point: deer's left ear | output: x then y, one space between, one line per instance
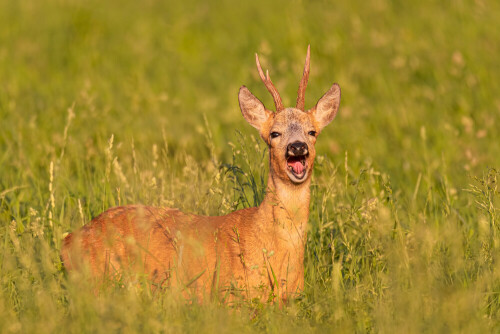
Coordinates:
252 109
326 108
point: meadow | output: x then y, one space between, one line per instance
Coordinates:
104 103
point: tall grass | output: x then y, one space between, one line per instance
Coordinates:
109 103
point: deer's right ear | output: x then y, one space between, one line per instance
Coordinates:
252 109
327 107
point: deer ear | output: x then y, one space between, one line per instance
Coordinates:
326 108
252 109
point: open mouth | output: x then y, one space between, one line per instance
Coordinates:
297 166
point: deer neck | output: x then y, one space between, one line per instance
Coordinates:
286 206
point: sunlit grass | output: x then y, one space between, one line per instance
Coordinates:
109 103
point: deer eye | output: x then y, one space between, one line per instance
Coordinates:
312 133
275 134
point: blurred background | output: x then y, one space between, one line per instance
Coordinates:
142 68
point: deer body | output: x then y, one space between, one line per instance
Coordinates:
254 252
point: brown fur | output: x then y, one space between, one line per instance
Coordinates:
255 252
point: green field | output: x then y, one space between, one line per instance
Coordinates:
117 102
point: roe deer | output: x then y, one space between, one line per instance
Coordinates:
257 252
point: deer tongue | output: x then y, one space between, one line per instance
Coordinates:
296 165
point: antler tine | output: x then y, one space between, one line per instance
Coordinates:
269 85
303 83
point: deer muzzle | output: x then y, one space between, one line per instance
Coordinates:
296 155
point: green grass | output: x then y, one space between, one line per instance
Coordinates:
113 102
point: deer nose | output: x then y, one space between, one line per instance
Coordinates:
297 148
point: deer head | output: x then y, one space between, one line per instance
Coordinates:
290 133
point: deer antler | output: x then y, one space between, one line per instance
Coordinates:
303 83
270 86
